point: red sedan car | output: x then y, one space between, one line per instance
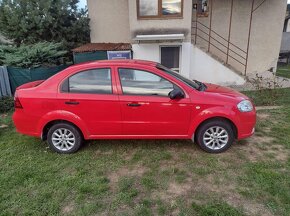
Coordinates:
131 99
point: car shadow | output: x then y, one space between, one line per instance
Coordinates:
133 144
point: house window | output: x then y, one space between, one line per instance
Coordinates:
202 8
159 8
170 57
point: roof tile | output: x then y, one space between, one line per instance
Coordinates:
92 47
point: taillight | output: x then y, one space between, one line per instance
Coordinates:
17 104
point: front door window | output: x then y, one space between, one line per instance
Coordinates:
137 82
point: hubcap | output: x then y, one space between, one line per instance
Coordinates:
63 139
216 138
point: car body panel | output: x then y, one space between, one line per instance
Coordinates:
156 115
93 110
109 116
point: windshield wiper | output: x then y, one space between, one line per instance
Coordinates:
201 86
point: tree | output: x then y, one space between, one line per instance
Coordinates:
32 21
32 56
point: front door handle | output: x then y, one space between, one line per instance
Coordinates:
72 103
134 105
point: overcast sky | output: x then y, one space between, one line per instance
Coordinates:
83 3
288 1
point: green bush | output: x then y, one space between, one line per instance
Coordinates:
32 56
6 104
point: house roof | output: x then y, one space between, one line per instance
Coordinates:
92 47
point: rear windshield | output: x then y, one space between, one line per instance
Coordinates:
178 76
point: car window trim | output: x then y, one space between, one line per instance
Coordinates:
146 95
69 76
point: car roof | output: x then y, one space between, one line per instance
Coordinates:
119 62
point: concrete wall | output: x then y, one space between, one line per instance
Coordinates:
116 21
265 44
207 69
266 32
151 52
109 21
160 26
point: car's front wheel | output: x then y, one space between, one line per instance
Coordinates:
215 136
64 138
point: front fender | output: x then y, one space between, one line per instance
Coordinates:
65 116
213 112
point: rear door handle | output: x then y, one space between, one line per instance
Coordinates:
134 105
72 103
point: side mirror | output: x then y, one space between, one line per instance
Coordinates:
176 94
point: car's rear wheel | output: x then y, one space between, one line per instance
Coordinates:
64 138
215 136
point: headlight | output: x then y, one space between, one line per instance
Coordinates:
245 106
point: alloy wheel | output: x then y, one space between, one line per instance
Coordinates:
63 139
215 138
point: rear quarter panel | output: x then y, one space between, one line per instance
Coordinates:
36 104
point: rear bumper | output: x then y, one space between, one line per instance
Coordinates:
24 124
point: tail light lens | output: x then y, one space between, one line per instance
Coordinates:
17 104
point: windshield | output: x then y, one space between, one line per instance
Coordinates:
193 84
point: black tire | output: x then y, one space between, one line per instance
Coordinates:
218 145
76 137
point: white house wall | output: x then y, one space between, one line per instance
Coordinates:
207 69
116 21
149 52
161 26
195 64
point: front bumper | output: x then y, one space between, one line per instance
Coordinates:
246 135
246 125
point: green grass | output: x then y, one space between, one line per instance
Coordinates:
284 71
269 183
149 177
217 208
277 97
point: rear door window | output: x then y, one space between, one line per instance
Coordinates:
95 81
